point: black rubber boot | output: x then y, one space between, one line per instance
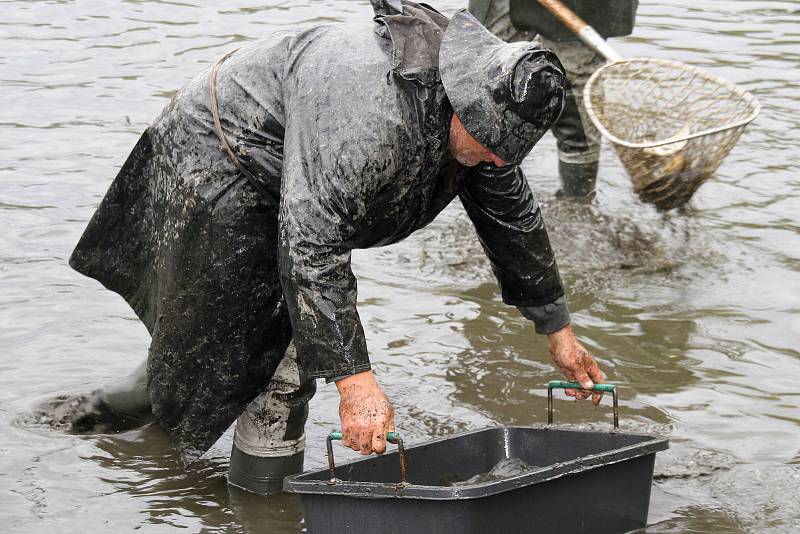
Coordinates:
260 475
577 179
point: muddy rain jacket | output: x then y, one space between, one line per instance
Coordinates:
346 126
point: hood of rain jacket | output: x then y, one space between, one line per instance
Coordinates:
506 95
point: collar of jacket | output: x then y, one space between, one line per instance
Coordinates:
416 32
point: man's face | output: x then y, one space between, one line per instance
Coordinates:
466 149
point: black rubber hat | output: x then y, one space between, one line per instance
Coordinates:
507 95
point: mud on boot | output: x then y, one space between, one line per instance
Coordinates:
120 406
77 414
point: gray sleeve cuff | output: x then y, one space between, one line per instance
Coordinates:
335 379
338 377
548 318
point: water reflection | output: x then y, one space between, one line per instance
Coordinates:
640 347
504 370
142 464
693 314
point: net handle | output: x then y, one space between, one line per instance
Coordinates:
579 27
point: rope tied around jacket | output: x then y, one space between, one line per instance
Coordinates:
224 145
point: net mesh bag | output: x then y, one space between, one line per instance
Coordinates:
670 123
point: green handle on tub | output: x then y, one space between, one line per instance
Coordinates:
391 437
560 384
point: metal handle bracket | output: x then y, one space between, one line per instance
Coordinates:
391 437
560 384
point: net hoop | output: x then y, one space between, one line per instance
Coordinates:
667 63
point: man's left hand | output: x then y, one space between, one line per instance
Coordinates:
576 363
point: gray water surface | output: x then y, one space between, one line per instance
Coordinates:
695 315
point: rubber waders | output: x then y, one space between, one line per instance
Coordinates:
262 475
127 399
577 179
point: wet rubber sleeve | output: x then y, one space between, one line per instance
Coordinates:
318 217
511 228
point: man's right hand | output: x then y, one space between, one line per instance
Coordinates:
365 412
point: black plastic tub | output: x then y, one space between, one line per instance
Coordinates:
577 481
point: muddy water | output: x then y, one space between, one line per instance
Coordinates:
694 315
